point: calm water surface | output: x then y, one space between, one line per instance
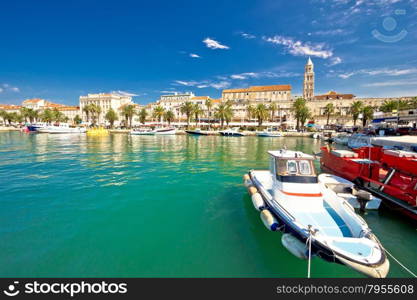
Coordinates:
151 206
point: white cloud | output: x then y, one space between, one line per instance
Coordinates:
193 55
247 75
213 44
9 88
186 83
331 32
299 48
122 93
242 76
247 35
375 72
220 85
335 61
392 83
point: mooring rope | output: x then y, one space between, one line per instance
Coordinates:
309 251
403 266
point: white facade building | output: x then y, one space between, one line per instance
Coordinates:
105 101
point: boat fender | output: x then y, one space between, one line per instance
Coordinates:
258 202
252 190
269 220
294 246
247 181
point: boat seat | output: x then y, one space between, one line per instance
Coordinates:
344 153
400 153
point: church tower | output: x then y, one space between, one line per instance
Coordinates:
308 85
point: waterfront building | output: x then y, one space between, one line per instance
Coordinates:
254 95
105 101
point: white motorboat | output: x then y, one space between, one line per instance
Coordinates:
292 200
231 132
165 131
341 139
269 133
141 132
358 140
61 128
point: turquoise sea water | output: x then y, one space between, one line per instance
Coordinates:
151 206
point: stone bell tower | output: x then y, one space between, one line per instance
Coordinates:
308 84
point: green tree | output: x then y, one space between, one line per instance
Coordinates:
3 115
261 113
187 108
158 113
224 113
169 117
304 115
355 110
95 111
272 108
209 105
142 115
77 119
128 111
111 116
391 105
328 111
299 109
367 114
197 112
47 116
57 116
86 110
250 110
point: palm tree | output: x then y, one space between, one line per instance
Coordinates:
261 113
299 108
158 113
47 116
77 119
355 110
24 111
142 115
197 111
169 117
95 111
328 110
209 105
86 110
367 114
187 108
304 115
3 115
224 113
111 116
272 108
250 111
57 116
391 105
128 111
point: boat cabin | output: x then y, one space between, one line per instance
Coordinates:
292 166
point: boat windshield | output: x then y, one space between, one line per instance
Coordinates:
295 170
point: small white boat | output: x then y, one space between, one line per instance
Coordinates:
61 128
231 132
358 140
141 132
269 133
341 139
359 199
315 135
292 200
165 131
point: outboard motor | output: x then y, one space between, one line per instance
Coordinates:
363 198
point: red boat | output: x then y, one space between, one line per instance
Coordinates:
388 174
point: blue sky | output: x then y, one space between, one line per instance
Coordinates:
59 50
